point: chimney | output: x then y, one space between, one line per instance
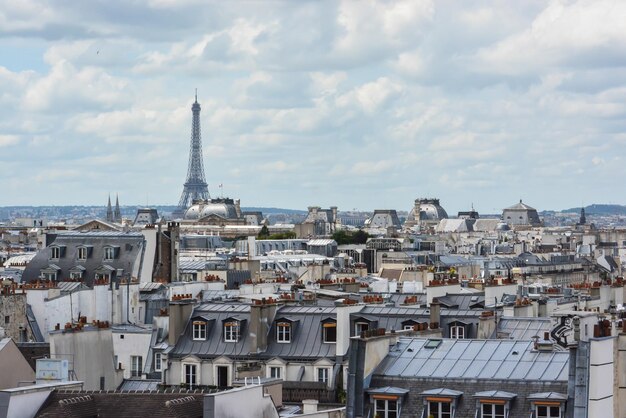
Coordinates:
261 318
179 313
174 235
309 406
546 344
435 313
487 326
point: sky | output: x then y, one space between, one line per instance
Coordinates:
356 104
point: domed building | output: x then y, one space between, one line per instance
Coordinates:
425 213
221 211
521 214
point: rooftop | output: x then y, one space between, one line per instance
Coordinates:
473 359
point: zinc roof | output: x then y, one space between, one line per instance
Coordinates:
474 359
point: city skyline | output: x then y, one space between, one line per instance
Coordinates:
343 104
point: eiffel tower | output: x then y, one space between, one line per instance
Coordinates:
195 186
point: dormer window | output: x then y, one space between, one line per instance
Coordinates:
51 272
82 253
231 331
283 332
457 332
494 403
56 252
199 330
329 331
360 327
109 253
76 273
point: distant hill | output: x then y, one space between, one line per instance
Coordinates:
600 209
267 211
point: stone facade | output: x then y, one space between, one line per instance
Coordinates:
13 317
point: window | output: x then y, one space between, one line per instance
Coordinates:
385 408
457 331
283 332
408 327
135 366
7 319
49 275
82 253
275 372
231 332
548 411
190 375
322 374
55 253
330 332
109 253
157 362
199 330
359 327
439 409
489 410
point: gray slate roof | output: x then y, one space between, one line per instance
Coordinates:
129 247
473 359
306 341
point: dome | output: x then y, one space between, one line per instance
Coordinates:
503 226
193 213
223 209
430 210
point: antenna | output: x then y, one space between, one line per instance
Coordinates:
196 95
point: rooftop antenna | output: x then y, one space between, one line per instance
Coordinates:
196 95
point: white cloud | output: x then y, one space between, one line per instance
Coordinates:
7 140
558 36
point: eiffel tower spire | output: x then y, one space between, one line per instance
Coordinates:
195 186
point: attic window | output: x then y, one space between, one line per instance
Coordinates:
329 332
432 344
109 253
55 253
283 332
231 332
82 253
199 330
360 327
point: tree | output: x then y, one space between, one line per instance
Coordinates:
264 233
344 237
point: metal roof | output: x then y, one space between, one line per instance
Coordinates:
548 395
150 286
523 328
443 391
495 394
388 390
133 385
321 242
474 359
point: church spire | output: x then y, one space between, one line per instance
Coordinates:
109 217
583 218
117 215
